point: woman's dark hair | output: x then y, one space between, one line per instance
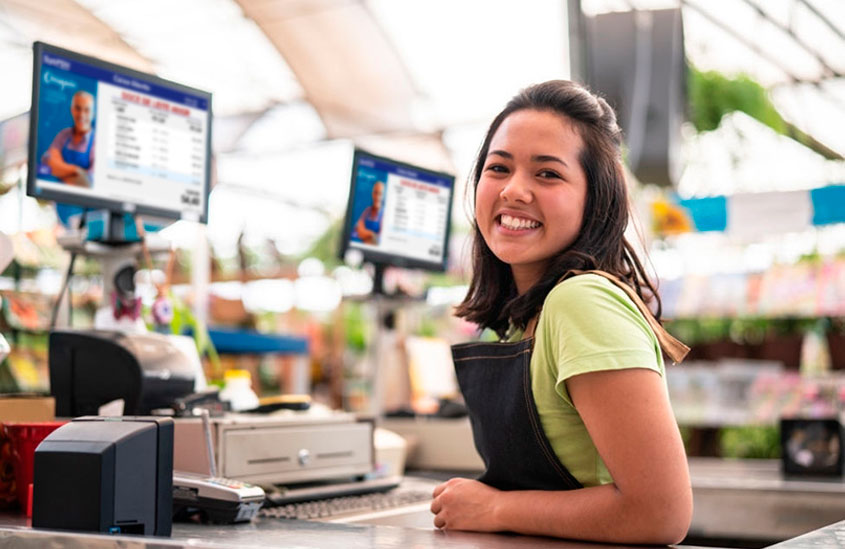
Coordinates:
492 300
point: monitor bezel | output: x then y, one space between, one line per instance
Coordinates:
93 202
383 258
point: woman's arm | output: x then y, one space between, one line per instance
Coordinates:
628 416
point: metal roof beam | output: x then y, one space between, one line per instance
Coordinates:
823 18
830 71
792 130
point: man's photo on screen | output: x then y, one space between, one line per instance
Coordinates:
66 128
368 224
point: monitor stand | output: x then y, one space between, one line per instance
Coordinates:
385 305
378 280
119 259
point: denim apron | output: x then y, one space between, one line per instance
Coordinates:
78 158
495 379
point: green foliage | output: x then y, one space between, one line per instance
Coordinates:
693 331
327 246
355 326
713 95
184 320
427 327
750 442
749 330
745 330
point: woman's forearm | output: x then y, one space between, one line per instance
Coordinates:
600 513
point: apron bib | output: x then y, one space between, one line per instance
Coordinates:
495 380
78 158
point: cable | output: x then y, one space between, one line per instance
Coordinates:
66 284
55 314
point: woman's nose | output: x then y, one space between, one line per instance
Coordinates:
516 189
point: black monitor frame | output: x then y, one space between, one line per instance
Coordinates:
94 202
381 259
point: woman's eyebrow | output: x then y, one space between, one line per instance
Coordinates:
535 158
548 158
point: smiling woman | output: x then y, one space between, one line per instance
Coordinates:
570 411
530 196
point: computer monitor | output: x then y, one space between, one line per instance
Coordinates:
104 136
398 214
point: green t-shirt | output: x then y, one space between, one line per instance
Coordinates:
587 324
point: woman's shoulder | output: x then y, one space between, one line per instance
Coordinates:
589 298
588 287
589 314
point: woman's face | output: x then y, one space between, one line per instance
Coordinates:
529 202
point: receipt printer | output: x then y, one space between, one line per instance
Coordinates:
89 368
106 474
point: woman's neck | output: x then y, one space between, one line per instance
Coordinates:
525 276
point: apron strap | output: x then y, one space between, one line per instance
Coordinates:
674 348
530 327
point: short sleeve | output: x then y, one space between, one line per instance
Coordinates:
590 325
58 142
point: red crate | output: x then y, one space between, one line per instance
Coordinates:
25 439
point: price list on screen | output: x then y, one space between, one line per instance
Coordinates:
415 218
154 145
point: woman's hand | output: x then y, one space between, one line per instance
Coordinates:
464 504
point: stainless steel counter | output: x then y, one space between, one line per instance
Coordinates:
829 537
740 500
276 533
749 499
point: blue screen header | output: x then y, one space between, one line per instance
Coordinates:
122 80
406 172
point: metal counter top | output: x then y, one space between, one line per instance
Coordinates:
750 499
277 533
829 537
745 499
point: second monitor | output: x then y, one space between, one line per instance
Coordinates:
105 136
398 214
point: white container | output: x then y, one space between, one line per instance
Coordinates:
238 390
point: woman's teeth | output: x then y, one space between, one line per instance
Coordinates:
517 223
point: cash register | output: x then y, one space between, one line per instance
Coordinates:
90 368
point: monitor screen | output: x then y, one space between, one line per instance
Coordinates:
104 136
398 214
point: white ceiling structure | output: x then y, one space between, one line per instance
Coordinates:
297 83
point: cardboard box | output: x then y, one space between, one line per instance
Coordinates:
27 408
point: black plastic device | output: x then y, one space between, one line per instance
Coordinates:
106 474
89 368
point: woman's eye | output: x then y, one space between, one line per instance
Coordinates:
496 168
549 174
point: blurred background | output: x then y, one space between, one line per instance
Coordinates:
732 110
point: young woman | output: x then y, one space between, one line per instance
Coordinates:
570 412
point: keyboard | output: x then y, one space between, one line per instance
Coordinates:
350 506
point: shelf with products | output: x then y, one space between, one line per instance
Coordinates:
764 345
804 289
733 407
736 392
762 338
